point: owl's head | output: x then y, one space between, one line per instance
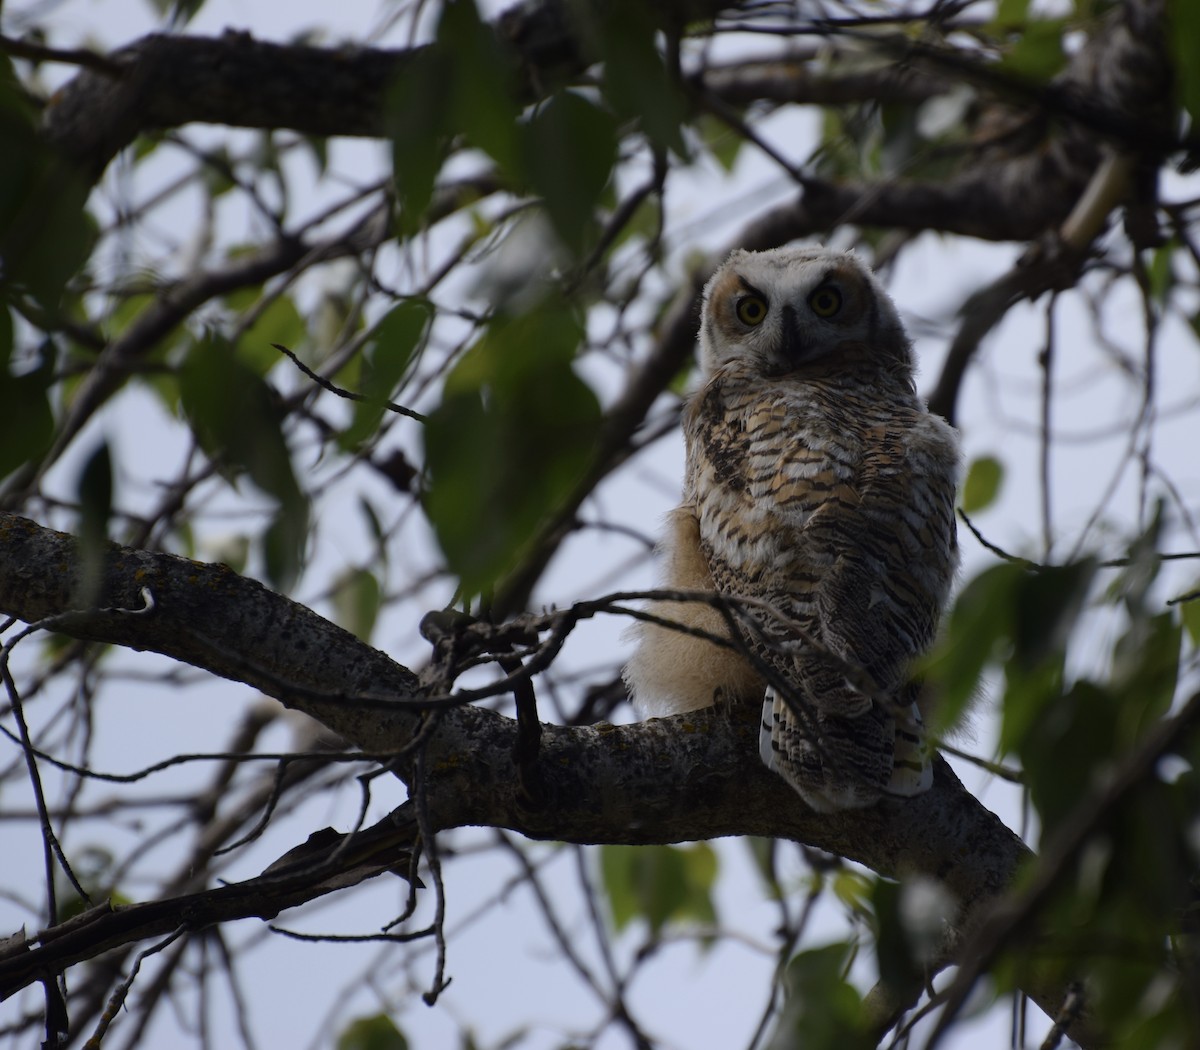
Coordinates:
786 309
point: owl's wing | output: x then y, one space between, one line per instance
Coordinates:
871 572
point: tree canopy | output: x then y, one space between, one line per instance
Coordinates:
344 374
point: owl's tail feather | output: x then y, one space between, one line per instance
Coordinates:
787 750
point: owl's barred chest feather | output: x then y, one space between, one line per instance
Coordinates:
768 461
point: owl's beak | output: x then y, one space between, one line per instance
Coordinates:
793 345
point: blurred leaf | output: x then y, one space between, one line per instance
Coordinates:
236 418
1145 672
235 415
1011 12
419 124
45 231
1046 606
900 142
897 966
822 1010
1183 38
94 493
982 484
372 1033
280 322
1189 612
572 146
721 140
1080 723
26 421
512 437
762 852
217 172
1161 275
659 884
386 356
1037 53
373 525
976 633
636 81
482 86
356 599
318 149
283 545
6 336
127 310
853 889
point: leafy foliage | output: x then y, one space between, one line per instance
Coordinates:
512 401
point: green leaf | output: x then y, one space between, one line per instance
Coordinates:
1189 612
762 853
572 147
26 421
388 352
511 439
482 87
419 124
721 140
45 232
982 485
897 966
976 634
1145 672
94 492
822 1011
1038 51
217 172
659 884
236 418
636 81
853 889
1046 606
356 599
372 1033
1161 273
1011 12
6 336
1183 37
280 322
1080 723
283 543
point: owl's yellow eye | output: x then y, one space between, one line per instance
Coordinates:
751 310
825 301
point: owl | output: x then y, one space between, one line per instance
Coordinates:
818 504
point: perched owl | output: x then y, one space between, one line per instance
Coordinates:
819 499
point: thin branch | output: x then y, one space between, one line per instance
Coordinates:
35 52
349 395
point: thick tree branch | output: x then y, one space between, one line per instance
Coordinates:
237 81
690 777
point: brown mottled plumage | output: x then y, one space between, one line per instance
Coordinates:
819 493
